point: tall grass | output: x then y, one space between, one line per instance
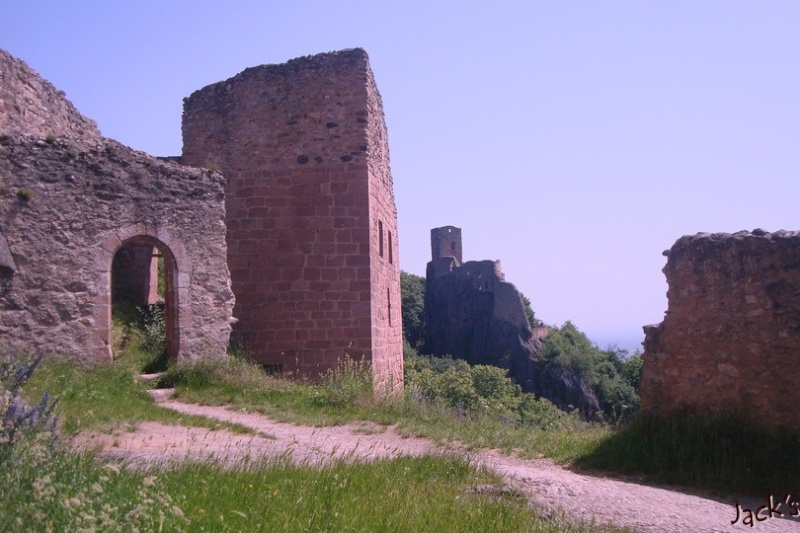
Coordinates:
66 491
105 397
724 453
45 486
406 494
55 489
446 409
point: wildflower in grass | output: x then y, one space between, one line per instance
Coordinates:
46 487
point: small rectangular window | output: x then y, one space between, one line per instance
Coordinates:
380 238
391 255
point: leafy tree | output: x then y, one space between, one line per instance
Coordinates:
412 288
613 375
568 347
631 369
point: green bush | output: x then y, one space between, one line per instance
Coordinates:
140 331
197 376
479 391
526 305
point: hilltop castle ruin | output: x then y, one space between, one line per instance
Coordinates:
473 313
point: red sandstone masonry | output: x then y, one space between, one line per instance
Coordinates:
310 211
731 337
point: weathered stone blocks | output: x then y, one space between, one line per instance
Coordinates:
70 200
65 237
311 218
730 340
31 105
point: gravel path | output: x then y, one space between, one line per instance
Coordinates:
587 497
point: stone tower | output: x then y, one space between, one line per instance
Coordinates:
311 216
446 242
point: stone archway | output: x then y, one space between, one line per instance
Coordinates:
133 241
135 279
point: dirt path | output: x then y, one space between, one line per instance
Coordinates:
590 498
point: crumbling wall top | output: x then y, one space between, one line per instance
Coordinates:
308 112
45 112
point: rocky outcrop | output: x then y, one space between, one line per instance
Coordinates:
730 340
69 201
472 313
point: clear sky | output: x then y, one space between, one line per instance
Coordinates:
572 140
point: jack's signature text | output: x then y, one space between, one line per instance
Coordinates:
787 506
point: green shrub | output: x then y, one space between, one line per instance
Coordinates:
197 376
479 391
154 328
25 194
526 305
140 332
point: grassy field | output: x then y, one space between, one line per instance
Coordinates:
63 491
45 486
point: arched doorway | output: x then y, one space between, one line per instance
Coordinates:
143 280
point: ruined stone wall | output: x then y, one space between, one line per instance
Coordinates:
66 208
69 201
386 312
730 340
29 104
134 274
312 231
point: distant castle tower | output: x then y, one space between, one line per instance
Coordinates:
446 242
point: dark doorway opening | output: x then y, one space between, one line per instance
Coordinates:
144 303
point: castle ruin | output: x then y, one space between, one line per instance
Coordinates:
730 339
72 204
473 313
304 219
311 217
